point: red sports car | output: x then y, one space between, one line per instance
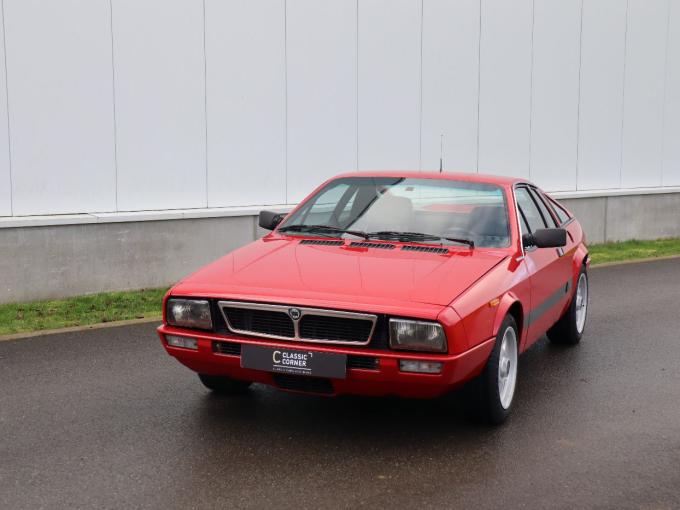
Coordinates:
388 283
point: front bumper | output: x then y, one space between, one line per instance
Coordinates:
386 379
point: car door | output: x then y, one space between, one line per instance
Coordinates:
546 267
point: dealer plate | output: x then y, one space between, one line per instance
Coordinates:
293 361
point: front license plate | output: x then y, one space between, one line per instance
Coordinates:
293 361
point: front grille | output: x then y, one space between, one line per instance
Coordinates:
228 348
263 322
310 324
302 383
382 246
362 362
427 249
322 242
337 329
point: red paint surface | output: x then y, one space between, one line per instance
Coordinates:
455 289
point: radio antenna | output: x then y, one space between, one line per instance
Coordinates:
441 153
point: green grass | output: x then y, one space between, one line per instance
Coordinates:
117 306
80 311
632 250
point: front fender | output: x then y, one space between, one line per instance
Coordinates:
506 302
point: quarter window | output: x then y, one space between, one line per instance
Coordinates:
559 211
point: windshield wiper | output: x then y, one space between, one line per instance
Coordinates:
322 228
418 236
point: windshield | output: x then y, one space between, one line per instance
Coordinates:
406 208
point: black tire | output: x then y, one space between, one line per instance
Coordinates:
565 331
224 385
489 400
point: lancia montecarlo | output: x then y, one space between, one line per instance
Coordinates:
388 283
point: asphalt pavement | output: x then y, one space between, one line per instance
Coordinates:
105 419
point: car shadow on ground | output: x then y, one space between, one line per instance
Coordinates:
367 422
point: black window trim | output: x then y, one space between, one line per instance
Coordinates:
517 214
535 196
552 203
528 188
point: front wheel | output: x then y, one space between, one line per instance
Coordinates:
498 381
224 385
569 329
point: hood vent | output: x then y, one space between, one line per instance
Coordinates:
322 242
382 246
426 249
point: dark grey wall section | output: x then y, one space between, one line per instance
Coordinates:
643 217
619 218
66 260
591 214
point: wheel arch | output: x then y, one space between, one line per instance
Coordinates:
509 304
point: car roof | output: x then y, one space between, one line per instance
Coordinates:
445 175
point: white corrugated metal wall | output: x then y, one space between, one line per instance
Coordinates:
119 105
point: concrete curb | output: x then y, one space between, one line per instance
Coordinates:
634 261
130 322
76 329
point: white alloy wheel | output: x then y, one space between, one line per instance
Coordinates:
581 302
507 367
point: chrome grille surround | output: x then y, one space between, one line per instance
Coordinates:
304 311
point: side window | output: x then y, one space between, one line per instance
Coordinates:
320 211
528 209
559 211
544 209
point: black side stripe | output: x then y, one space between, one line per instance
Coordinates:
546 305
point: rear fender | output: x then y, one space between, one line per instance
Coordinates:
580 257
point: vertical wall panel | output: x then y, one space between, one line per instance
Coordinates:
601 106
671 146
450 83
246 98
5 179
555 82
60 86
505 87
389 84
321 54
644 93
160 103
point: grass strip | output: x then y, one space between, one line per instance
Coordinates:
80 310
633 250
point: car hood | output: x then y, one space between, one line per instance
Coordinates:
284 270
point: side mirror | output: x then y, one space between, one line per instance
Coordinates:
546 238
270 220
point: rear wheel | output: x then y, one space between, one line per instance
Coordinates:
569 329
498 381
224 385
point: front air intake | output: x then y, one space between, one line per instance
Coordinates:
362 362
227 348
426 249
322 242
382 246
305 384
